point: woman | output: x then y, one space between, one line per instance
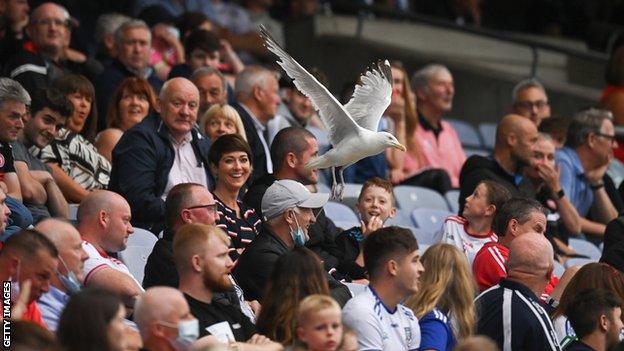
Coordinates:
230 162
220 120
444 304
296 275
76 165
93 320
590 276
133 100
81 93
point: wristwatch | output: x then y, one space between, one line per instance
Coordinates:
560 194
598 186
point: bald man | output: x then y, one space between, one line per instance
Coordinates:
164 150
69 275
515 137
510 313
104 225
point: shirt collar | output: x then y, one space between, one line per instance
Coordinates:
576 161
427 126
58 294
524 290
255 120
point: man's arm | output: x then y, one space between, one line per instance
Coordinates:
115 281
72 191
602 209
591 227
32 190
13 185
57 205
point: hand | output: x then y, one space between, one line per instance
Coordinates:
74 55
162 31
550 176
396 175
595 176
225 47
255 306
259 339
374 223
18 24
21 304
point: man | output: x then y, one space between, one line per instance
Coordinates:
160 152
377 316
104 225
256 92
583 163
513 151
511 313
291 149
29 258
13 109
287 208
14 19
439 143
596 317
133 41
104 36
529 99
201 49
212 88
41 60
40 193
515 218
68 278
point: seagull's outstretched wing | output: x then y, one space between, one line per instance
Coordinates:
335 117
372 97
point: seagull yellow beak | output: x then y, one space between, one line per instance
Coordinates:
400 147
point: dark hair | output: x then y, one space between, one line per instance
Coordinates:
385 244
585 122
132 85
519 209
75 83
226 144
296 274
202 40
587 307
291 139
497 194
52 99
178 198
84 322
28 242
27 335
190 21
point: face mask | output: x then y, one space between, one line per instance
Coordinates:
298 235
188 332
70 281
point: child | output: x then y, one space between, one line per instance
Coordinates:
349 340
319 324
375 205
473 229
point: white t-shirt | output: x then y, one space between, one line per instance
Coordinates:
99 260
455 232
377 328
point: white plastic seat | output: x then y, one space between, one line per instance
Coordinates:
586 248
140 246
429 220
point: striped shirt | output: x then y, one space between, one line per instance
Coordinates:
512 316
240 230
436 331
78 158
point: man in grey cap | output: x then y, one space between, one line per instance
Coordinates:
287 209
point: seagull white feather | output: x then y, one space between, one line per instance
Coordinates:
352 127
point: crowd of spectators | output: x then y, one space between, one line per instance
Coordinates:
172 131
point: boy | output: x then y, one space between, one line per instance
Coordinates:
375 205
473 229
319 323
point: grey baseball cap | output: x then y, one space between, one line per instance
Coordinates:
284 194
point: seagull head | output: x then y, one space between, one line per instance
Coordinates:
390 140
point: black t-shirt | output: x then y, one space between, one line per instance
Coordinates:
6 159
220 311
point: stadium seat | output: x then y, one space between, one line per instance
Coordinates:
73 211
467 133
481 152
559 269
344 225
488 135
340 213
411 197
140 245
351 194
322 138
355 288
429 220
578 262
402 219
424 236
452 197
586 248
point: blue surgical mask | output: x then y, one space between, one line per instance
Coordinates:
298 235
69 281
188 332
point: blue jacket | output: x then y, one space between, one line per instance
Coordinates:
142 160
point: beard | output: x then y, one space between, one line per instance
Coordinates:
222 283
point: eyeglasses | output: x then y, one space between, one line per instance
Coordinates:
49 21
609 137
212 208
528 105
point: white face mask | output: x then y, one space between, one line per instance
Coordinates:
188 332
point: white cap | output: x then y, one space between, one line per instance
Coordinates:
284 194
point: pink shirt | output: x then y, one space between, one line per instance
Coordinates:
443 152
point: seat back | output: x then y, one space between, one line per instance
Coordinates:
467 133
338 212
412 197
139 247
586 248
429 221
488 134
452 198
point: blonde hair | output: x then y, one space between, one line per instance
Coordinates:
447 284
314 304
191 239
226 111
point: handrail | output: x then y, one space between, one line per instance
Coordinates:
363 11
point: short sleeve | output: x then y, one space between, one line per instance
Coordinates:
368 332
566 176
433 334
93 264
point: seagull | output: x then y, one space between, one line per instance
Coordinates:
352 127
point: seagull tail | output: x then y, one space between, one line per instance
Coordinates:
320 162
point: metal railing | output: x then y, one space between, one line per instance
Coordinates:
364 13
